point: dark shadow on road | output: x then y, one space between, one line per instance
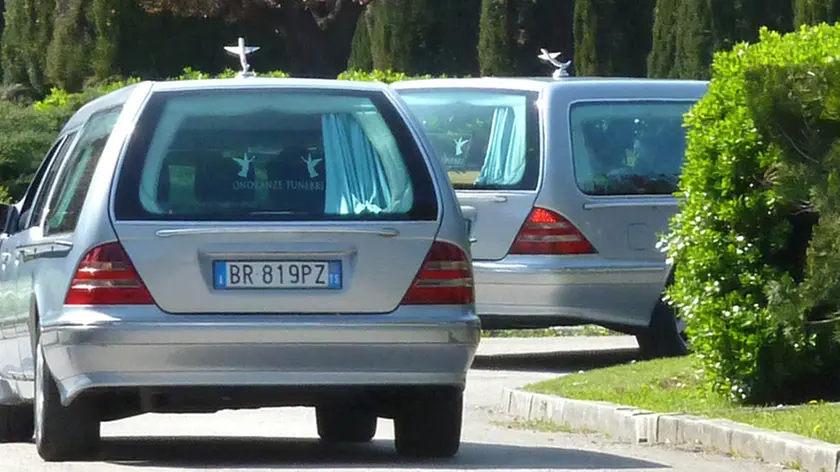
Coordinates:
556 361
263 453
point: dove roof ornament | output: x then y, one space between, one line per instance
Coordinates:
242 52
551 58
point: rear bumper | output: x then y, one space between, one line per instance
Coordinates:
88 349
572 290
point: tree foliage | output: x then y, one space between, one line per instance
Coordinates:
686 34
612 37
496 43
663 51
317 34
405 37
361 53
26 36
810 12
71 49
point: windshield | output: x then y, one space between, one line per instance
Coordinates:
273 154
488 139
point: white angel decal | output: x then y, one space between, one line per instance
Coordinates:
459 145
310 165
244 164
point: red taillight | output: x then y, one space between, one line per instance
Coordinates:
444 279
106 276
546 232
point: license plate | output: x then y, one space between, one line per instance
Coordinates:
277 274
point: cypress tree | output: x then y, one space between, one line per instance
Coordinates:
497 52
2 24
361 57
588 61
106 18
11 55
706 26
393 35
71 49
696 40
810 12
664 47
404 36
612 37
27 32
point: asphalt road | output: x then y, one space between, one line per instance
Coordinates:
285 439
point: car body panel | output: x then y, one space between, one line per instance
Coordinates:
224 340
620 283
143 346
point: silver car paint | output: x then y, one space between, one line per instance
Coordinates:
620 285
146 346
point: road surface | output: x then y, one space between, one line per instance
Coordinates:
284 439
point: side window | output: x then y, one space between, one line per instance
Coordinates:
14 225
488 140
628 148
41 186
65 203
32 189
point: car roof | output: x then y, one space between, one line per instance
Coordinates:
123 94
331 84
537 84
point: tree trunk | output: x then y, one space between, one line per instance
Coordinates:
313 50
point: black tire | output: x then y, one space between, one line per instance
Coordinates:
62 433
17 423
662 338
337 424
428 425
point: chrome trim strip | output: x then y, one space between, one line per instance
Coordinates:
167 233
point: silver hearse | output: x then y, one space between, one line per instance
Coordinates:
565 183
220 244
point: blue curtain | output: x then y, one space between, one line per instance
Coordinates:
356 181
504 163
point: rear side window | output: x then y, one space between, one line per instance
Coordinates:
628 148
71 188
488 139
52 166
269 154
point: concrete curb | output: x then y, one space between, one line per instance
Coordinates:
641 426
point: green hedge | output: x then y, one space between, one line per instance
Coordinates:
25 136
760 296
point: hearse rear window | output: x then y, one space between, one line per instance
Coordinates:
488 139
270 154
628 148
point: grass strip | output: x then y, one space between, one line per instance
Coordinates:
678 386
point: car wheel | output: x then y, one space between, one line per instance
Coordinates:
664 337
428 425
17 423
337 424
61 432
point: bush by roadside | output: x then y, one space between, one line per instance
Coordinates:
25 135
758 292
